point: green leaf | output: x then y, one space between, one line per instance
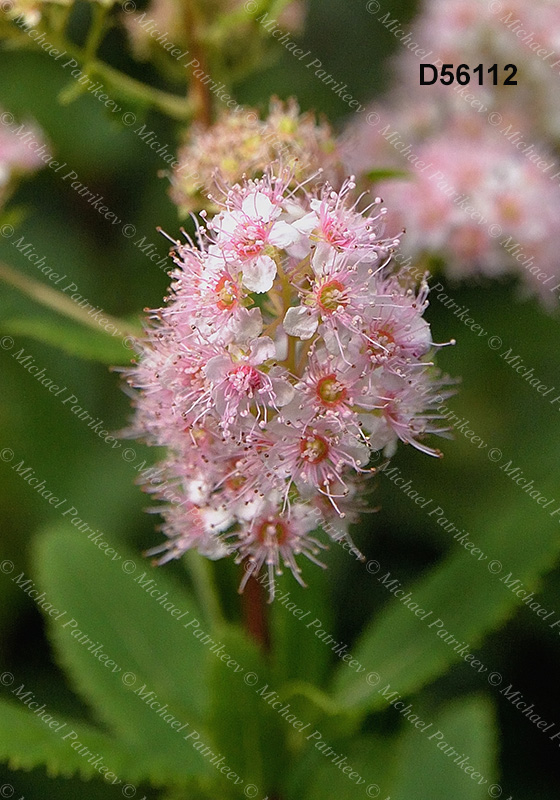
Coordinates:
406 767
386 174
106 611
298 614
467 598
27 741
432 764
72 339
369 761
246 729
12 215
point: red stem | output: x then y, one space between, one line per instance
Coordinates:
199 91
255 612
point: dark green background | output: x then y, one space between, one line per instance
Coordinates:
112 273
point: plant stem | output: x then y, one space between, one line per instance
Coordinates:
199 92
56 301
303 355
173 105
255 613
290 360
202 576
59 16
94 36
95 33
315 695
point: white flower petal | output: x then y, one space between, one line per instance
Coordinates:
283 391
262 349
359 452
217 368
301 322
246 325
283 235
307 224
226 222
323 259
258 206
259 274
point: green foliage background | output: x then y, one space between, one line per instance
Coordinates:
502 408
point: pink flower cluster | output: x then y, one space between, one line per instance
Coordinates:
288 356
239 144
482 208
499 32
480 189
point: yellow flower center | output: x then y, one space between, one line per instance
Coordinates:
314 449
331 296
330 391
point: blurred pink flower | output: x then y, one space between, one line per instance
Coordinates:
19 146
